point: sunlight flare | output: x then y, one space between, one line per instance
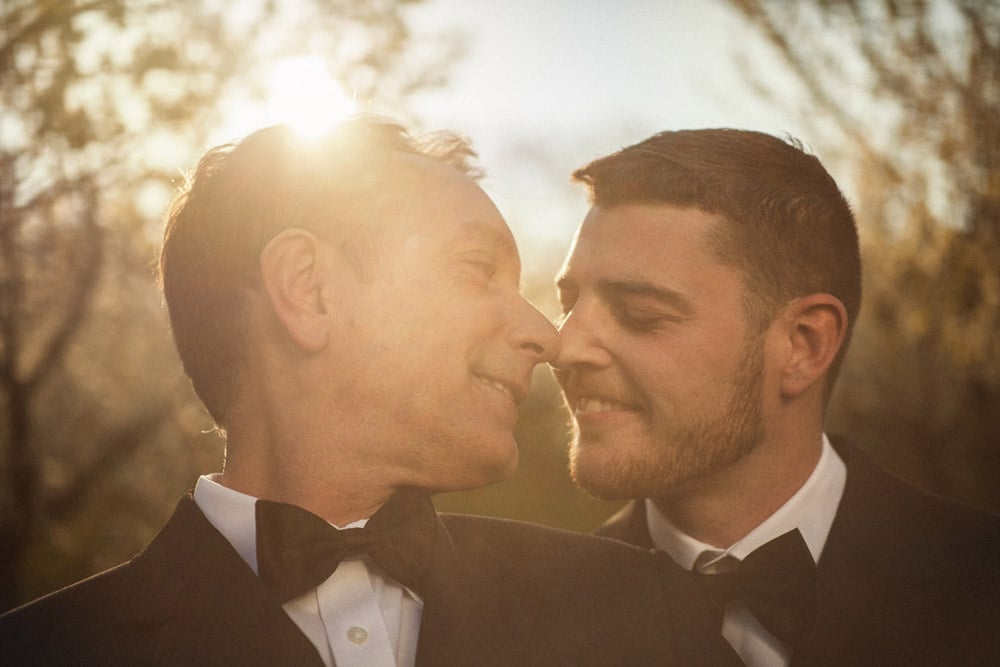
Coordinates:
304 95
298 91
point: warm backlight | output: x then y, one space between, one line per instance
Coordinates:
304 95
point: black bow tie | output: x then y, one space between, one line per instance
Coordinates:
777 582
297 550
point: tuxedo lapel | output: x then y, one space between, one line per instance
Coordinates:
904 577
855 600
211 607
901 572
691 619
466 616
207 605
689 616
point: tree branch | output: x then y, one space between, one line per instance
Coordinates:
78 304
122 444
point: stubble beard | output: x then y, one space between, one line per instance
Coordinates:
705 445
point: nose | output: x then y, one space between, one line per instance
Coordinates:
579 342
534 335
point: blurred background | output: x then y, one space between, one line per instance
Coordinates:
105 104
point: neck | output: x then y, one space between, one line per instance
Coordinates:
287 442
726 506
340 500
314 467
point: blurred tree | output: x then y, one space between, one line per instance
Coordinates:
101 103
905 95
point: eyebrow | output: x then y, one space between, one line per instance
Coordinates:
500 243
616 289
479 230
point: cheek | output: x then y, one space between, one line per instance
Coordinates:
676 377
651 369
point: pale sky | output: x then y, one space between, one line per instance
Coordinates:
547 86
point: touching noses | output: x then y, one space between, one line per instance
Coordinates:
577 343
534 335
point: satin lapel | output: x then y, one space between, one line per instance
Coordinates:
467 616
696 632
209 605
848 598
886 588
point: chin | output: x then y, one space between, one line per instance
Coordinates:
480 471
614 473
603 487
503 466
600 478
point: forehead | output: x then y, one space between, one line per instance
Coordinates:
659 242
440 202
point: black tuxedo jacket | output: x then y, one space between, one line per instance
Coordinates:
496 593
905 578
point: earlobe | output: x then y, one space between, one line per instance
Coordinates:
294 272
817 328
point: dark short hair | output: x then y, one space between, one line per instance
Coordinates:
790 231
243 194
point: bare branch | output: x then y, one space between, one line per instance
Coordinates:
72 319
119 447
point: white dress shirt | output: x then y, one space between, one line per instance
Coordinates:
358 617
811 510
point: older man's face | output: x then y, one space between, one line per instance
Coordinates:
441 345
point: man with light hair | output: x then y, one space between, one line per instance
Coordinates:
348 311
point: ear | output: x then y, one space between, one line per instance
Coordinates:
817 325
294 269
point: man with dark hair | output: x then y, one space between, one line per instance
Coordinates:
708 301
348 311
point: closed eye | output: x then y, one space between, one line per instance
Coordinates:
482 263
638 319
487 268
642 306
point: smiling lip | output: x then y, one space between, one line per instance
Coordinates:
588 405
514 392
599 409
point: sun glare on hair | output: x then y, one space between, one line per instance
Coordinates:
303 94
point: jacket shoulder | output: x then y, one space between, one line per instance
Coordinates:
594 600
903 514
54 628
541 547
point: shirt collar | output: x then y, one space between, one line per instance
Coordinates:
231 513
811 509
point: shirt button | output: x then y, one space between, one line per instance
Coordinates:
357 635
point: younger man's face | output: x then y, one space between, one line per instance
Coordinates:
656 364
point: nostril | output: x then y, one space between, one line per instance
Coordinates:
533 347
